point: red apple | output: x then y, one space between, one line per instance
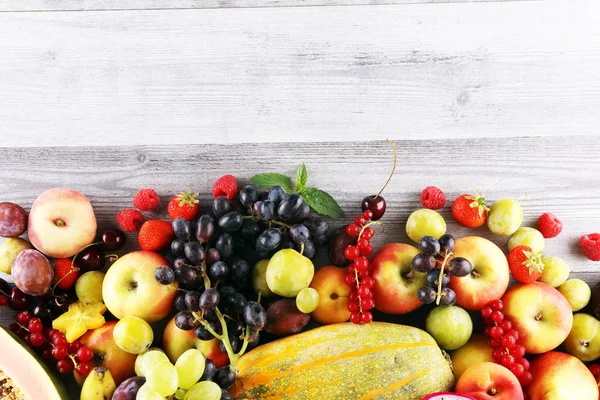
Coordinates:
396 284
333 295
540 314
108 354
489 381
490 275
129 287
176 341
61 222
558 376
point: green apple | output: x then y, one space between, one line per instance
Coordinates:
577 293
527 237
89 287
450 326
289 272
583 341
556 271
425 222
259 278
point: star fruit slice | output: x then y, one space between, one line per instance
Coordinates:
79 319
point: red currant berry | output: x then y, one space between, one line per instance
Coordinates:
488 321
517 369
364 291
355 318
497 317
3 300
350 280
366 317
65 366
352 230
351 253
59 339
495 343
74 346
51 332
595 369
353 297
27 338
363 274
486 312
367 233
85 354
514 334
497 305
37 339
367 214
507 360
368 303
497 355
35 325
84 368
506 325
524 362
368 282
360 221
362 264
496 332
486 330
517 351
367 251
59 352
526 378
47 354
508 341
352 307
23 318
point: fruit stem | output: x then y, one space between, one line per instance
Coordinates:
360 310
369 224
301 248
225 339
440 279
245 344
393 169
112 257
207 326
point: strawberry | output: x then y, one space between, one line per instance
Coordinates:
129 220
184 205
146 199
65 273
433 198
590 246
155 235
225 186
470 211
549 225
525 266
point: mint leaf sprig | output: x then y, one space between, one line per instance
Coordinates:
318 200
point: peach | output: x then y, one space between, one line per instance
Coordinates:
558 376
396 284
540 314
176 341
61 223
129 287
108 354
489 381
475 351
333 295
490 276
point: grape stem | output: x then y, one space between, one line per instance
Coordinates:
440 279
245 344
393 169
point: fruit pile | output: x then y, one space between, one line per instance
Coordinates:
193 312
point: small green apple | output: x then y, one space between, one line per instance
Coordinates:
577 293
583 341
450 326
556 271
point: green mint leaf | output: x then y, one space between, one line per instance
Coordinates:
301 178
273 179
322 202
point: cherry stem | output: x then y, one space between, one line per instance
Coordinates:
393 169
440 279
58 281
112 257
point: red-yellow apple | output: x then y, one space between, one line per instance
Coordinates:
176 341
129 287
475 351
560 376
61 222
490 275
108 354
540 314
333 295
489 381
396 284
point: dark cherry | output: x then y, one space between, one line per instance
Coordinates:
61 304
113 239
376 205
45 313
19 301
90 259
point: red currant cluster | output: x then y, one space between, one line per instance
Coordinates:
503 341
53 345
361 297
595 370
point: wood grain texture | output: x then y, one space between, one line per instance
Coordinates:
557 174
299 74
104 5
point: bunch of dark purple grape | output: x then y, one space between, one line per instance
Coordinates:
438 262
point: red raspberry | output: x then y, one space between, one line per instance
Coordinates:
225 186
129 220
549 225
146 199
433 198
590 245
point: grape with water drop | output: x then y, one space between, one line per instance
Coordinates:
267 211
426 294
447 243
231 222
276 194
218 271
460 266
195 252
423 263
221 206
205 228
209 299
248 195
268 240
185 320
429 245
290 206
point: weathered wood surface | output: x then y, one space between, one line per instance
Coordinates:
492 69
557 174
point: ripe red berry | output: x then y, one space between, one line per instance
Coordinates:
47 354
495 343
23 318
84 368
549 225
351 252
497 355
35 325
517 351
129 220
146 199
507 360
352 307
37 339
368 282
59 352
360 221
74 346
497 316
65 365
350 280
367 214
59 339
590 246
513 333
524 362
355 318
352 230
486 312
497 305
526 378
366 317
353 297
496 332
432 198
362 264
225 186
367 233
508 341
3 300
506 325
363 274
486 330
517 369
84 354
364 291
368 303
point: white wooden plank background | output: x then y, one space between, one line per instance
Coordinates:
493 69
